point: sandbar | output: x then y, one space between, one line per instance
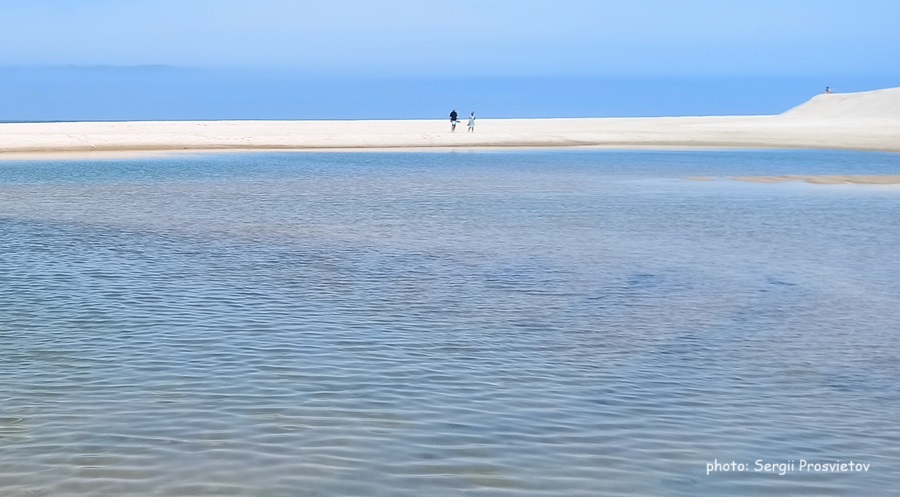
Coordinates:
827 179
852 121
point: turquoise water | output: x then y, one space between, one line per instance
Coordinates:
485 324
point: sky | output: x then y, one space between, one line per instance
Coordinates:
284 42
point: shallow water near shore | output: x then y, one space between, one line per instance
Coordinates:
574 323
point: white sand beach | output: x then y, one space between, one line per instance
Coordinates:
852 121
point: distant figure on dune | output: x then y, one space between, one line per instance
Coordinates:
472 122
453 121
827 89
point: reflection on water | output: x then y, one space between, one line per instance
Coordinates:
506 324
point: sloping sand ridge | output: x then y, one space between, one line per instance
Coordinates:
878 104
853 121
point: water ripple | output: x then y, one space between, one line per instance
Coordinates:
416 326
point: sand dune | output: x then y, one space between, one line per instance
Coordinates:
879 104
860 121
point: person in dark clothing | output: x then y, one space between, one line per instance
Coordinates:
453 120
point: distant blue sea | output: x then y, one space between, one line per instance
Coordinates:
169 93
498 324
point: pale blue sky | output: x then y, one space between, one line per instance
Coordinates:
298 59
462 37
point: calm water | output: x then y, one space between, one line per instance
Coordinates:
172 93
480 324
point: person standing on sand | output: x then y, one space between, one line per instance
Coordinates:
472 122
453 121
